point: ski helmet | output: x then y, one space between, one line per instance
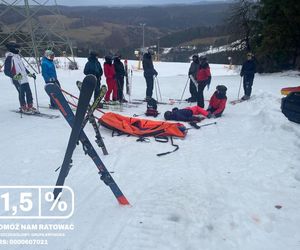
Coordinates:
13 47
168 115
203 58
108 59
93 53
49 54
195 58
221 89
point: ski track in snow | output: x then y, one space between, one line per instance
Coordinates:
218 191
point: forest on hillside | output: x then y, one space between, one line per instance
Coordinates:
269 29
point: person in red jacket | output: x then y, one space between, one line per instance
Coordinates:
188 114
110 74
203 79
216 107
217 102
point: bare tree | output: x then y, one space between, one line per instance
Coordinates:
240 22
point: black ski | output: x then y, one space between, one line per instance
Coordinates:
55 93
91 118
86 92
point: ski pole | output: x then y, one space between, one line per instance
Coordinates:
155 85
36 97
184 89
207 124
240 88
158 88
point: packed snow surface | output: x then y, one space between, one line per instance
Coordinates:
233 185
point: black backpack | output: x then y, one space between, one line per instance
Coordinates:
151 108
290 106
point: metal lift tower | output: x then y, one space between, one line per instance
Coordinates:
36 26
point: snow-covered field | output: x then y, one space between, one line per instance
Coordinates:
233 185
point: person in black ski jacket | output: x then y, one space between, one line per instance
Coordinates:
149 73
120 74
248 70
193 71
93 67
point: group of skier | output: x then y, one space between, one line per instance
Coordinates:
200 77
114 71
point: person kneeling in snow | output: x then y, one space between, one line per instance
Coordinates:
215 109
217 102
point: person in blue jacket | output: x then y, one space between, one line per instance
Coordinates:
49 71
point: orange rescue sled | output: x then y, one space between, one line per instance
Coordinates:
142 127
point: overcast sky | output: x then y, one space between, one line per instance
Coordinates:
126 2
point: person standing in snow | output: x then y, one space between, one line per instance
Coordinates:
247 72
203 79
120 74
215 109
93 67
193 72
49 71
149 73
16 70
110 74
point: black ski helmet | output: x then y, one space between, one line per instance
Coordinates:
221 89
108 59
13 47
203 58
168 115
195 58
93 53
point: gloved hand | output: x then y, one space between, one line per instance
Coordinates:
32 75
241 74
18 77
208 86
155 73
210 115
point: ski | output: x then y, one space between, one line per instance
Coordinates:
141 100
88 148
236 101
36 113
241 100
91 118
86 92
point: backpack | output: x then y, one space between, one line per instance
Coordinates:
290 106
151 108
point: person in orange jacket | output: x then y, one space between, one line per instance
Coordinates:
215 109
217 102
